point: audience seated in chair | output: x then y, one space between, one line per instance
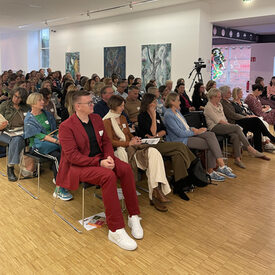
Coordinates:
129 149
249 123
160 103
151 126
121 87
217 123
178 130
38 126
132 104
88 156
199 98
263 97
255 105
242 108
186 104
14 111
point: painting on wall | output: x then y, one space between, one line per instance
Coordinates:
156 63
72 63
115 61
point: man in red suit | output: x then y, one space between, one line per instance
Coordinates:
88 156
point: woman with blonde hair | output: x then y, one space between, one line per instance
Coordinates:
38 126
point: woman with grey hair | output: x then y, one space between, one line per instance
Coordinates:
13 112
178 130
217 123
249 123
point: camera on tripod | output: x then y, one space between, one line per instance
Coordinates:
199 64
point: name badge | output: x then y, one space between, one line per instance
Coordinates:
138 108
52 110
124 125
158 121
47 122
24 114
101 133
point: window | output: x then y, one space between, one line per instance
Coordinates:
44 48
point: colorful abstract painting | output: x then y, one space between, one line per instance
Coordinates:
231 65
72 63
156 63
114 61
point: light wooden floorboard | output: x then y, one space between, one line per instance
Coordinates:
223 229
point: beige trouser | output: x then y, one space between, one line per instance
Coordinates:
155 172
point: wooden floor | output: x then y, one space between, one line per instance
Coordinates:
223 229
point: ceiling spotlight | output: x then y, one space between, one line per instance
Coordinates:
131 6
46 23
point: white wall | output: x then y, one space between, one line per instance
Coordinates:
14 51
20 50
264 64
178 25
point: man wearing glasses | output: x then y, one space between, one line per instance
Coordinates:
88 156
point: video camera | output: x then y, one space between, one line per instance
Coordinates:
199 64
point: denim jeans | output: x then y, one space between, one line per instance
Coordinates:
16 145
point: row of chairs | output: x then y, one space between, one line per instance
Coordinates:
194 119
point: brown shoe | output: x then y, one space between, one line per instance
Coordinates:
158 194
158 205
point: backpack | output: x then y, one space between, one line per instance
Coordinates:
197 173
196 178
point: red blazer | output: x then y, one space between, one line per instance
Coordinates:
76 149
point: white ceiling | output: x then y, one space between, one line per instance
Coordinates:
32 14
263 25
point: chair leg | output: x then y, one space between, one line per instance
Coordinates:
38 180
83 206
59 215
7 151
142 188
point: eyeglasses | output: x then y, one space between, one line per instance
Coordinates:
88 103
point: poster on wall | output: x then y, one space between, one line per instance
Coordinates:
72 63
115 61
231 65
155 63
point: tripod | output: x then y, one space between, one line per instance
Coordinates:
198 75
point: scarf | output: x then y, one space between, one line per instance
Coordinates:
120 151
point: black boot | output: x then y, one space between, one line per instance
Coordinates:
11 175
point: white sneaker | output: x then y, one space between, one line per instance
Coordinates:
122 239
134 224
269 147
